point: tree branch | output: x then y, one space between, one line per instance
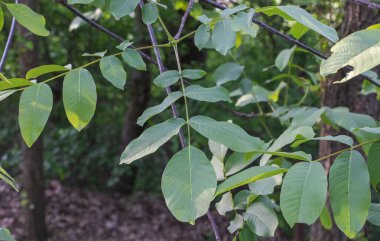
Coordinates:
101 28
367 3
8 43
184 18
289 38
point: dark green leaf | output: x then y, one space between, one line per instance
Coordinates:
350 194
112 69
303 193
150 140
36 103
79 97
188 184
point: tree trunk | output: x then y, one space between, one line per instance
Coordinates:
357 17
33 185
32 166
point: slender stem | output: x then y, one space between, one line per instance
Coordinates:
175 47
184 18
8 43
185 36
170 37
347 149
101 28
214 226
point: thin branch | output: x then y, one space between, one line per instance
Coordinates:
101 28
288 38
214 226
9 42
162 69
184 18
368 4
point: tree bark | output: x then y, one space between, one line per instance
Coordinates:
357 17
32 165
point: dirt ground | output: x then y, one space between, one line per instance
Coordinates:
74 214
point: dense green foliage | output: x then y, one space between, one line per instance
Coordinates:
257 175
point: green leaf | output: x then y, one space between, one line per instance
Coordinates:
5 235
298 155
228 134
167 78
351 122
229 11
1 19
152 111
188 184
247 176
261 219
223 37
303 193
150 140
350 194
247 235
374 214
238 161
265 186
213 94
29 19
202 36
289 136
356 50
79 97
8 179
295 13
193 74
79 1
325 219
227 72
374 164
45 69
149 13
36 103
341 138
6 93
283 58
97 54
236 224
124 45
112 69
133 58
14 83
226 204
121 8
218 151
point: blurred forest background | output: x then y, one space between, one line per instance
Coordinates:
84 191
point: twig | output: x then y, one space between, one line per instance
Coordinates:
288 38
214 226
367 3
101 28
184 18
9 42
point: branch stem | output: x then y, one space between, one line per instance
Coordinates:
347 149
